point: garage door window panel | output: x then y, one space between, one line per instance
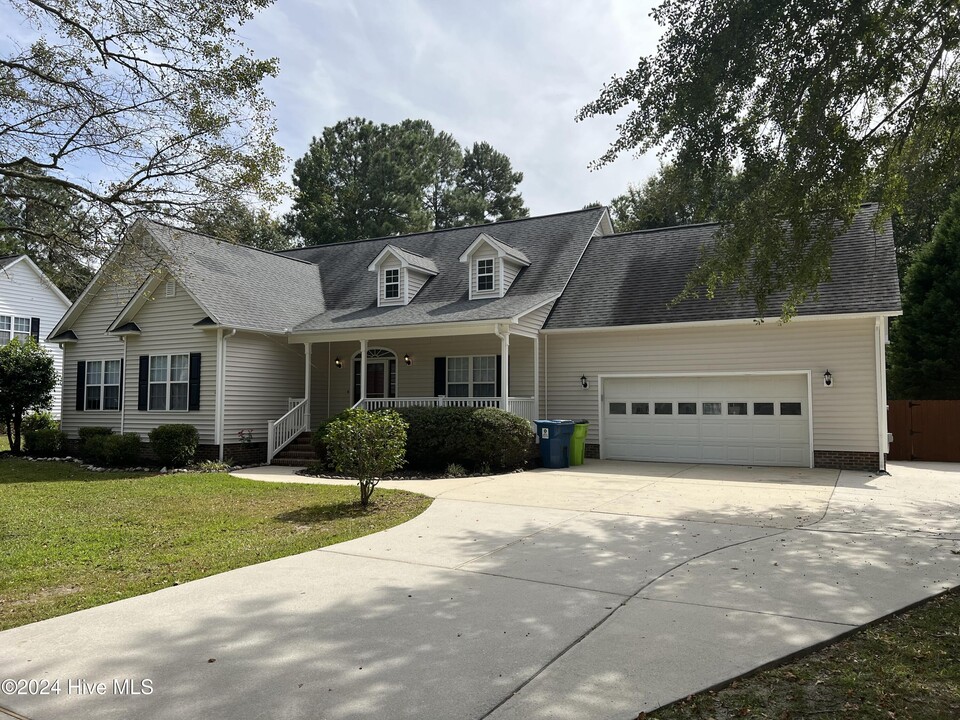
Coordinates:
712 408
737 408
618 408
639 408
686 408
790 408
763 408
661 408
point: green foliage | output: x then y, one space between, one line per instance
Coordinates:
813 103
47 442
663 200
27 380
40 420
360 180
111 450
237 222
319 441
367 446
455 470
475 438
163 98
175 444
925 348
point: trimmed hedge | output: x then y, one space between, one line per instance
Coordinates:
113 450
44 443
91 447
174 444
476 438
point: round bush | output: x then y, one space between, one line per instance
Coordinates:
174 445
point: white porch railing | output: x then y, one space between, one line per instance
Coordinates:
281 433
524 407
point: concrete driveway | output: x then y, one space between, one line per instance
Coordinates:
598 592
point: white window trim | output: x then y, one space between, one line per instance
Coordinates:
398 283
102 386
8 335
167 383
492 275
470 382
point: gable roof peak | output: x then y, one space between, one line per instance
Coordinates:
501 248
407 259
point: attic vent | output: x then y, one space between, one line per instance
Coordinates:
171 288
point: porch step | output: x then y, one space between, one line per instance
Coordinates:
298 452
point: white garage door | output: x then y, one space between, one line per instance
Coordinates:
755 420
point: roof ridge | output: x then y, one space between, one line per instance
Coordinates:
443 230
229 242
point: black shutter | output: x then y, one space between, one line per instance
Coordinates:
81 385
355 370
35 329
122 383
440 376
143 384
194 382
499 376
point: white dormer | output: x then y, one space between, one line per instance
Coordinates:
492 266
400 275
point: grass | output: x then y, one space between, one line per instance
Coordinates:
71 539
904 668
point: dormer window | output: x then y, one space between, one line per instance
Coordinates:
400 275
391 283
485 276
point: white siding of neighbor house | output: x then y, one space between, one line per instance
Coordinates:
416 379
25 294
390 263
844 416
167 329
263 373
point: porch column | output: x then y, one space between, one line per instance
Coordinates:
504 367
536 376
363 370
307 380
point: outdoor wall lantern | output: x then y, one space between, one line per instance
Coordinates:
584 382
827 379
406 359
338 362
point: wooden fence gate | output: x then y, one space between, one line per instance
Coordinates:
924 430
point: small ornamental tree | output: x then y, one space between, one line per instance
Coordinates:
925 349
27 380
367 445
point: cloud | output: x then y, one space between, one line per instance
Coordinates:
511 73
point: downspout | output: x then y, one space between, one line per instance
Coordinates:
881 393
546 376
221 386
329 344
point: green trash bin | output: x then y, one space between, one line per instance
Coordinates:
578 441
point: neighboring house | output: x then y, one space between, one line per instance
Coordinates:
551 316
30 306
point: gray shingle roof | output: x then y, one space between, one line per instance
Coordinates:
7 260
553 243
241 286
630 279
418 262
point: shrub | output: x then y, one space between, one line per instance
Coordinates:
91 447
45 443
319 441
175 444
476 438
455 471
367 445
112 450
40 421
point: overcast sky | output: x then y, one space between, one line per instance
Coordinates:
511 72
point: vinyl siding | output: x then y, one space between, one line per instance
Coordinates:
533 321
262 373
844 416
105 303
415 281
23 293
167 329
510 272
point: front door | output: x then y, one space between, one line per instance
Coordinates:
381 378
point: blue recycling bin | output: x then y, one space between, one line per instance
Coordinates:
554 436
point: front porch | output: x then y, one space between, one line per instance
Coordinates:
496 368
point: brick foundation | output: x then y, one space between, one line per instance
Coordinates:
846 460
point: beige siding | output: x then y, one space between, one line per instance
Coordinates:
94 344
415 281
25 294
167 329
845 416
262 373
510 272
533 321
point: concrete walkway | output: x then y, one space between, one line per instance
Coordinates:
599 592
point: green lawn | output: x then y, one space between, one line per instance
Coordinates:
905 668
71 539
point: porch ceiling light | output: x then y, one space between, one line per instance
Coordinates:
584 382
407 359
338 362
827 379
